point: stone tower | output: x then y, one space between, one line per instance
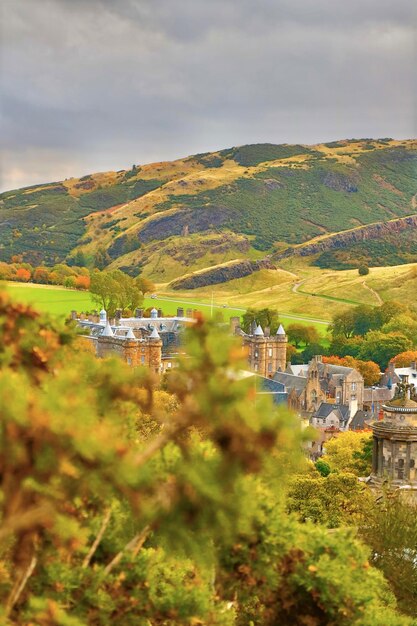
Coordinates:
266 354
394 457
154 350
136 352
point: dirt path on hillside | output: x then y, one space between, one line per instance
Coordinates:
373 292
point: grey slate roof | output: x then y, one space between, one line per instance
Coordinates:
379 394
342 411
290 381
360 420
269 387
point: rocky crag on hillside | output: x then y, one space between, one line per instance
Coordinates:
223 274
351 237
268 200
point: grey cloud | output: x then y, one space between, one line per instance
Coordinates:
103 83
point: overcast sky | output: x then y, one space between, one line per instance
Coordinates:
91 85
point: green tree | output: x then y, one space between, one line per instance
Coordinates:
128 293
349 452
311 350
337 499
265 317
104 289
391 532
79 259
322 467
300 333
343 324
144 285
406 324
388 310
381 347
363 270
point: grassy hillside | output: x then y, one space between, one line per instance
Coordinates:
309 292
169 219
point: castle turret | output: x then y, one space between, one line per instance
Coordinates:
281 349
266 354
155 351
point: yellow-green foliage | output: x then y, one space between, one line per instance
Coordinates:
349 452
124 504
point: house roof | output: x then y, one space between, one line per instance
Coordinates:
107 331
341 410
291 381
266 386
360 420
297 370
377 394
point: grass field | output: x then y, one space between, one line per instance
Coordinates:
60 302
54 300
300 293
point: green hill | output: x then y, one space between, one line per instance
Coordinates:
169 219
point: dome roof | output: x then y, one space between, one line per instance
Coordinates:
400 403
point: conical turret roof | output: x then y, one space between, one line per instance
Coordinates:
107 332
130 334
154 334
259 332
280 330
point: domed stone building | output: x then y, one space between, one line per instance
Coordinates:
394 458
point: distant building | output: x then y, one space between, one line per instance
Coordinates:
395 375
266 353
374 398
309 385
266 387
331 416
152 342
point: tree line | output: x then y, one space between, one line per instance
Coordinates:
60 274
364 337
